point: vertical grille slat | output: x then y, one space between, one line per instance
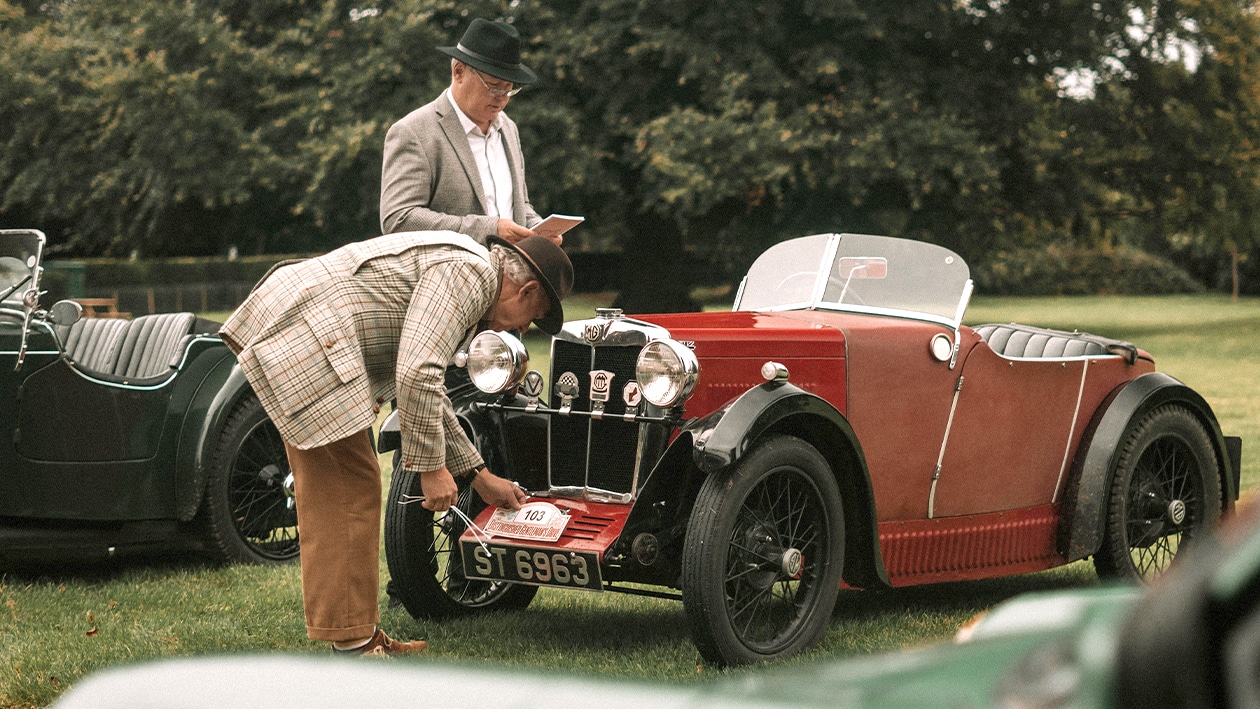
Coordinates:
613 454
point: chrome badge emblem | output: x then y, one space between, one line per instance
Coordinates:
567 389
601 384
532 385
594 331
631 394
567 385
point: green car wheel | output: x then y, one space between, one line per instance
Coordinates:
249 512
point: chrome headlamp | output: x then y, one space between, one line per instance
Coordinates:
496 361
666 371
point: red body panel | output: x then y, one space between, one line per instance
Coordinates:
898 405
1017 427
732 347
971 547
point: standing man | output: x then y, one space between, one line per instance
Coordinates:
325 342
456 163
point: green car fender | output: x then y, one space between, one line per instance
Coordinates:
218 394
722 438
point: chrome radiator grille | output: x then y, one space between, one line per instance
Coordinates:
586 452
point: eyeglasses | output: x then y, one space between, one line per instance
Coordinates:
497 93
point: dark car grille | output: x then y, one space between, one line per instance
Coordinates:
586 452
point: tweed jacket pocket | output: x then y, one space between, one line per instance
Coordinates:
311 358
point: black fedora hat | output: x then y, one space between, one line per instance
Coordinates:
494 48
554 270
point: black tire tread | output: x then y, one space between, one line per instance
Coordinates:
1113 560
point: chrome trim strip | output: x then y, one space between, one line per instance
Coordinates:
1077 358
1067 448
862 310
940 459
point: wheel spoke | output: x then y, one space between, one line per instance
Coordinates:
763 604
257 501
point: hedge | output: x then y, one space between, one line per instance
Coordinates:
210 284
1066 269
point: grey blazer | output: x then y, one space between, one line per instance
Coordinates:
429 180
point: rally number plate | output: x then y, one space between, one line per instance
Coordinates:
540 567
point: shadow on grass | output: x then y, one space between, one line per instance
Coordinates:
959 596
101 569
596 633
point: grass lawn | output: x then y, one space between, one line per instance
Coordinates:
56 627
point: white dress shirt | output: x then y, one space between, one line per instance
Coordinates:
492 163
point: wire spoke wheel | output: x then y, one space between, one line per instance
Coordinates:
424 558
447 563
766 590
766 576
260 494
249 511
1165 492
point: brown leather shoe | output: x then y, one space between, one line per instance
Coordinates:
381 645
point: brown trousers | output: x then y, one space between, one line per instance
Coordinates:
338 489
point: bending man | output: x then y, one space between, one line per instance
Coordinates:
326 341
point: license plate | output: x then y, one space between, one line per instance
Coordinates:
540 567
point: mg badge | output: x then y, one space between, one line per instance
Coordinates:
601 383
594 331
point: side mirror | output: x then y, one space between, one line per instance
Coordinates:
65 312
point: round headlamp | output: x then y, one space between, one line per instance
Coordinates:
496 361
666 372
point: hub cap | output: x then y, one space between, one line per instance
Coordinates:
1177 511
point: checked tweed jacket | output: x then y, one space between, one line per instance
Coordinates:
429 179
326 341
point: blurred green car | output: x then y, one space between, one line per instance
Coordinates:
1191 640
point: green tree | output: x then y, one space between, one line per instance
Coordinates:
128 125
726 127
683 130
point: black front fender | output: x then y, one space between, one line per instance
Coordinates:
723 437
1085 501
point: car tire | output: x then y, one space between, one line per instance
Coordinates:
248 511
421 550
763 555
1165 492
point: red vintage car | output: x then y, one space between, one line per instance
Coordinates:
839 426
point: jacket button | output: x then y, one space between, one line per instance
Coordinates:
380 400
376 409
329 345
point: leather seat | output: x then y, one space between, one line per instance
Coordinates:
151 344
1027 342
148 346
92 343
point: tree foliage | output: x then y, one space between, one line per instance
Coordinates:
675 126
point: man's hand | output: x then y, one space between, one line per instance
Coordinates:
512 232
440 490
498 492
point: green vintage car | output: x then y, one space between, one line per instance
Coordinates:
124 434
